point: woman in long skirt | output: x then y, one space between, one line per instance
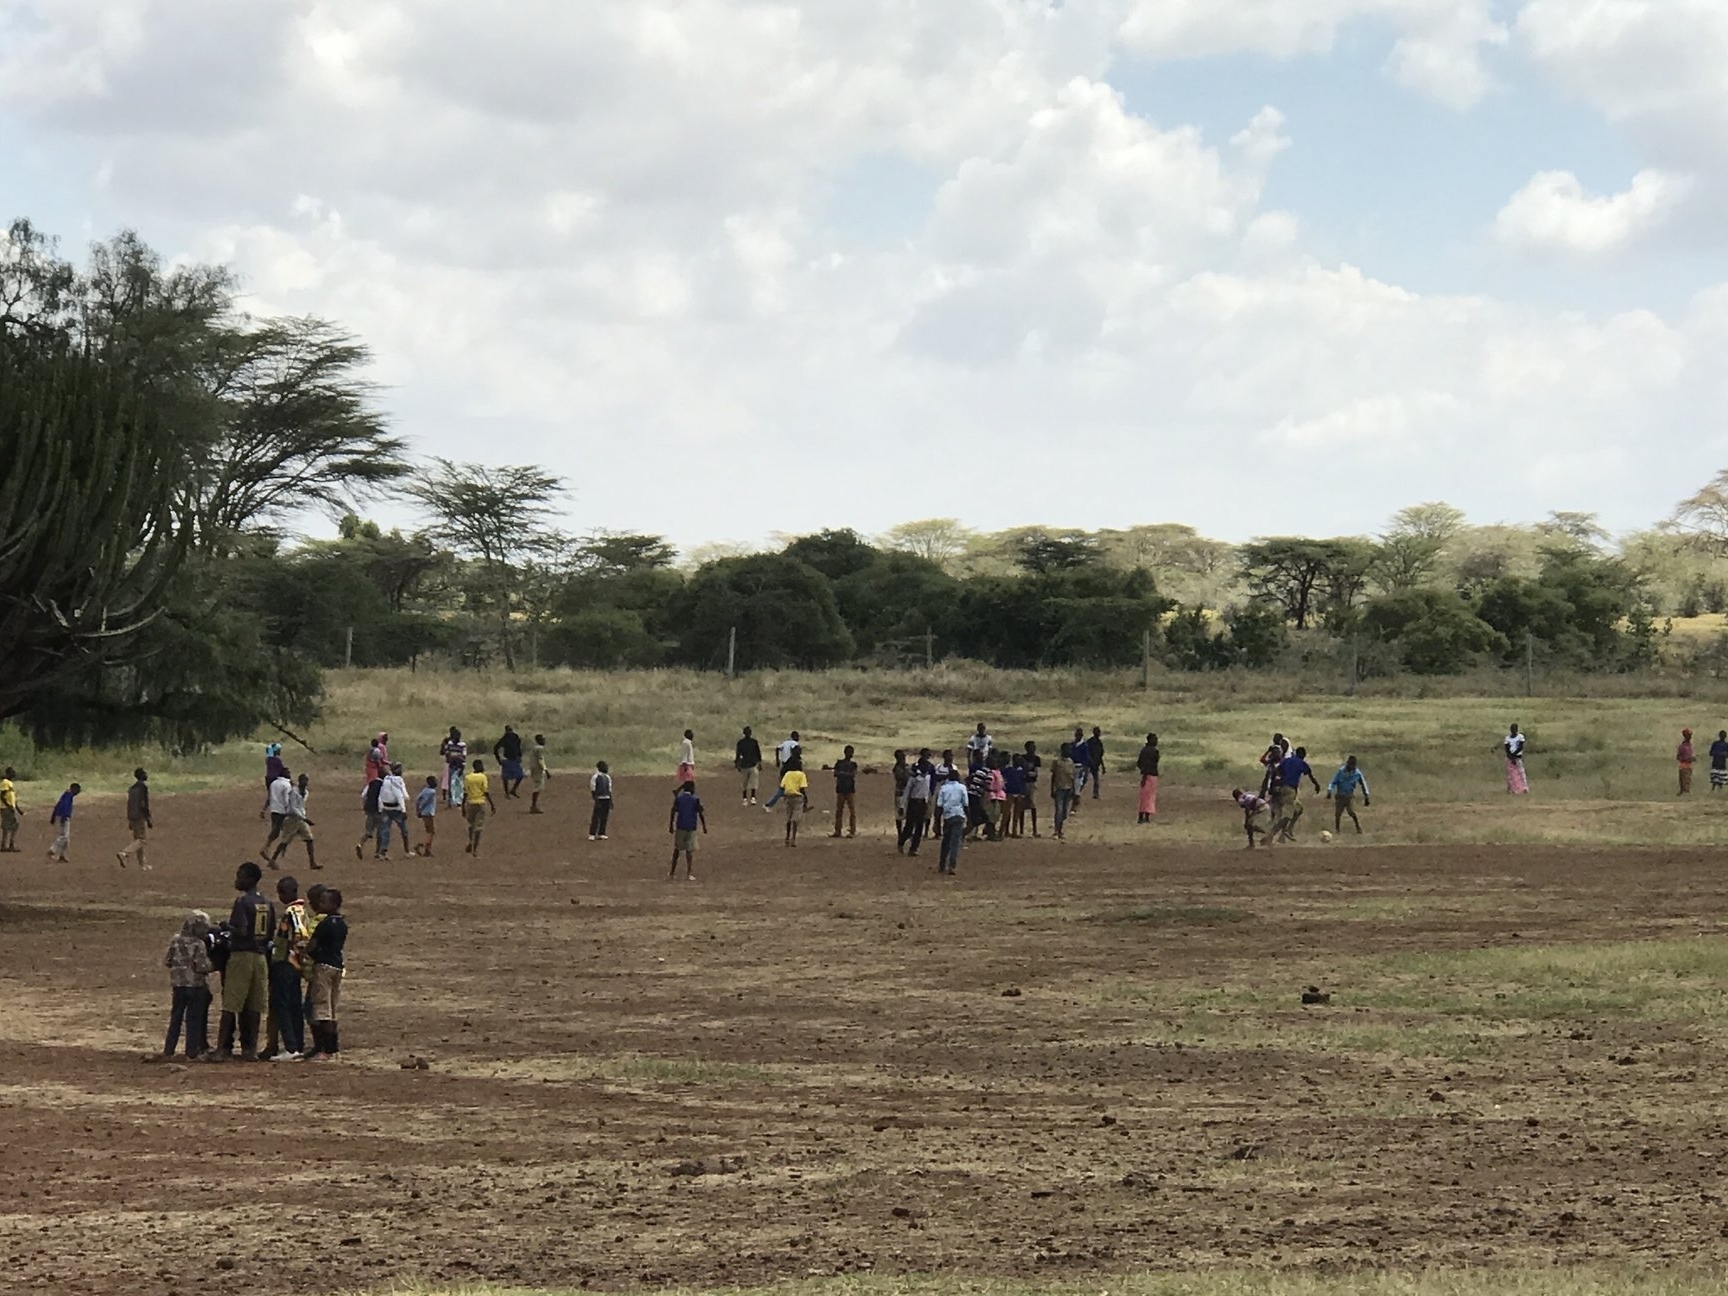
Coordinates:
1517 782
1148 762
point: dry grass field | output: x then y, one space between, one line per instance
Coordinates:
1074 1068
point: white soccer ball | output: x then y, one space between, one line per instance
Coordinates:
1325 836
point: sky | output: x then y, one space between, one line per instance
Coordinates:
743 267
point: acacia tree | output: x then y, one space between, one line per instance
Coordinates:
1410 551
937 540
297 427
137 601
500 519
1306 578
1703 518
91 533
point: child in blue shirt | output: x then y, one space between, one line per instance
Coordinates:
426 806
61 820
1342 790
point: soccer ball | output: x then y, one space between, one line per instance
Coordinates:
1325 836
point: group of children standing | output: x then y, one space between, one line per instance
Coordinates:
286 963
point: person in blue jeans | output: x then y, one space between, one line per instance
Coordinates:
951 806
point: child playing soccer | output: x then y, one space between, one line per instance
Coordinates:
687 816
600 788
1254 808
189 968
325 952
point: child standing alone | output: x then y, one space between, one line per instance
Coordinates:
600 788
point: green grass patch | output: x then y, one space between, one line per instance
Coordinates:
1457 1006
1661 980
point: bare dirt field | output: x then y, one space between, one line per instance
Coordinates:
1070 1058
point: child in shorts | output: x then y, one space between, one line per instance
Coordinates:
325 951
426 806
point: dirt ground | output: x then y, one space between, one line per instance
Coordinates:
831 1060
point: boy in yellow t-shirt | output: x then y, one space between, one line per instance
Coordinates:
795 789
476 804
9 812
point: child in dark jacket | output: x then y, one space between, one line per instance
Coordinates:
189 968
325 954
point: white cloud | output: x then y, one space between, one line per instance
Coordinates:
1555 212
597 237
1656 67
1438 44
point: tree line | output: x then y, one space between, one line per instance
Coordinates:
158 443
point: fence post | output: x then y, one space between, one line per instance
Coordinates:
1529 664
1145 659
929 650
348 651
732 653
1355 664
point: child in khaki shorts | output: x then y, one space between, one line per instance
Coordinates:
326 953
426 806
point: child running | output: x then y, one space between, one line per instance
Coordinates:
296 826
392 811
61 821
600 788
687 817
1342 790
